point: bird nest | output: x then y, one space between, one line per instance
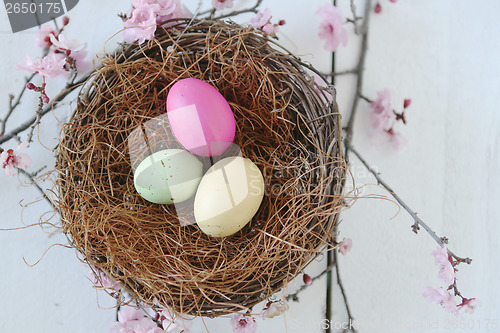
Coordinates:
286 123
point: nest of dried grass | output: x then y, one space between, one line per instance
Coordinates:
286 124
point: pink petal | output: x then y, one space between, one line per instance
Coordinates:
23 161
9 170
3 157
128 313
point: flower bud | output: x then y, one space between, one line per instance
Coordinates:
307 279
407 103
31 86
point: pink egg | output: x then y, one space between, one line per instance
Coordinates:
200 117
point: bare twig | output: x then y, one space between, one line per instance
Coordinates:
72 76
359 83
294 297
418 220
366 98
342 290
355 18
252 9
14 102
38 118
339 73
24 126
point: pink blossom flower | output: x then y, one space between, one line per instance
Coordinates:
440 296
222 4
51 65
262 21
43 36
273 309
446 270
174 323
181 11
102 279
63 44
143 325
81 61
345 246
381 110
393 1
440 254
243 324
13 159
468 306
141 26
132 320
378 8
163 9
129 313
331 29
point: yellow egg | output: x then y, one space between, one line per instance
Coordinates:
168 176
229 195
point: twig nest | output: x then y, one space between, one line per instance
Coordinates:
286 124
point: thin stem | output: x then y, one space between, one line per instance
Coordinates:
418 220
294 297
365 98
339 73
342 290
253 9
24 126
355 18
12 106
359 81
38 118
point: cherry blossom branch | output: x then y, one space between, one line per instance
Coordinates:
294 297
339 73
355 18
334 264
38 118
24 126
253 9
418 221
342 290
360 74
13 104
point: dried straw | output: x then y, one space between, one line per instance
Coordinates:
285 125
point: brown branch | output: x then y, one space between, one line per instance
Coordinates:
418 220
294 297
355 17
253 9
342 290
24 126
12 106
339 73
38 118
359 81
